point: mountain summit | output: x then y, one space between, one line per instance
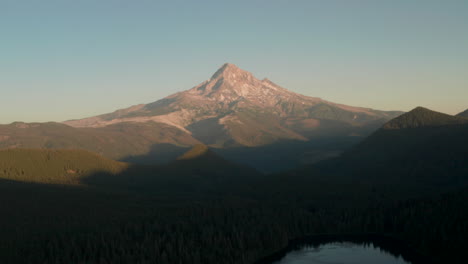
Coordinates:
231 71
232 85
234 108
423 117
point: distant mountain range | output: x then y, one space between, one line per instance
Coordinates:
233 108
233 112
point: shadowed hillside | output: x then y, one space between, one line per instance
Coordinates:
423 117
277 157
422 149
288 155
198 171
391 164
463 114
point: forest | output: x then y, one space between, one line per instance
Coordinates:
69 224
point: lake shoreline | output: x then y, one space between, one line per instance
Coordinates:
387 243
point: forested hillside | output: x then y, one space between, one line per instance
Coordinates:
421 151
54 166
50 224
117 141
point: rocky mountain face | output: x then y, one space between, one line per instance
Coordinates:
233 108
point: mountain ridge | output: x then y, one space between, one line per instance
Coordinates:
235 108
463 114
399 163
423 117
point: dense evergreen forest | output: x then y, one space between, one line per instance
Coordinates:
47 224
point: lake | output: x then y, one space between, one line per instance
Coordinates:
346 249
341 253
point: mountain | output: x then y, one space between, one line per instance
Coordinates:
421 150
54 166
418 129
426 157
244 119
463 114
233 108
423 117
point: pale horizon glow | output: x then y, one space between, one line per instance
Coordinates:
64 59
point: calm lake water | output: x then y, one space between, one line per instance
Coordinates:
341 253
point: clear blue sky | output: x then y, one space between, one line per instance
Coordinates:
65 59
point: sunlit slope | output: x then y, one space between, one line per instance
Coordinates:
54 166
114 141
